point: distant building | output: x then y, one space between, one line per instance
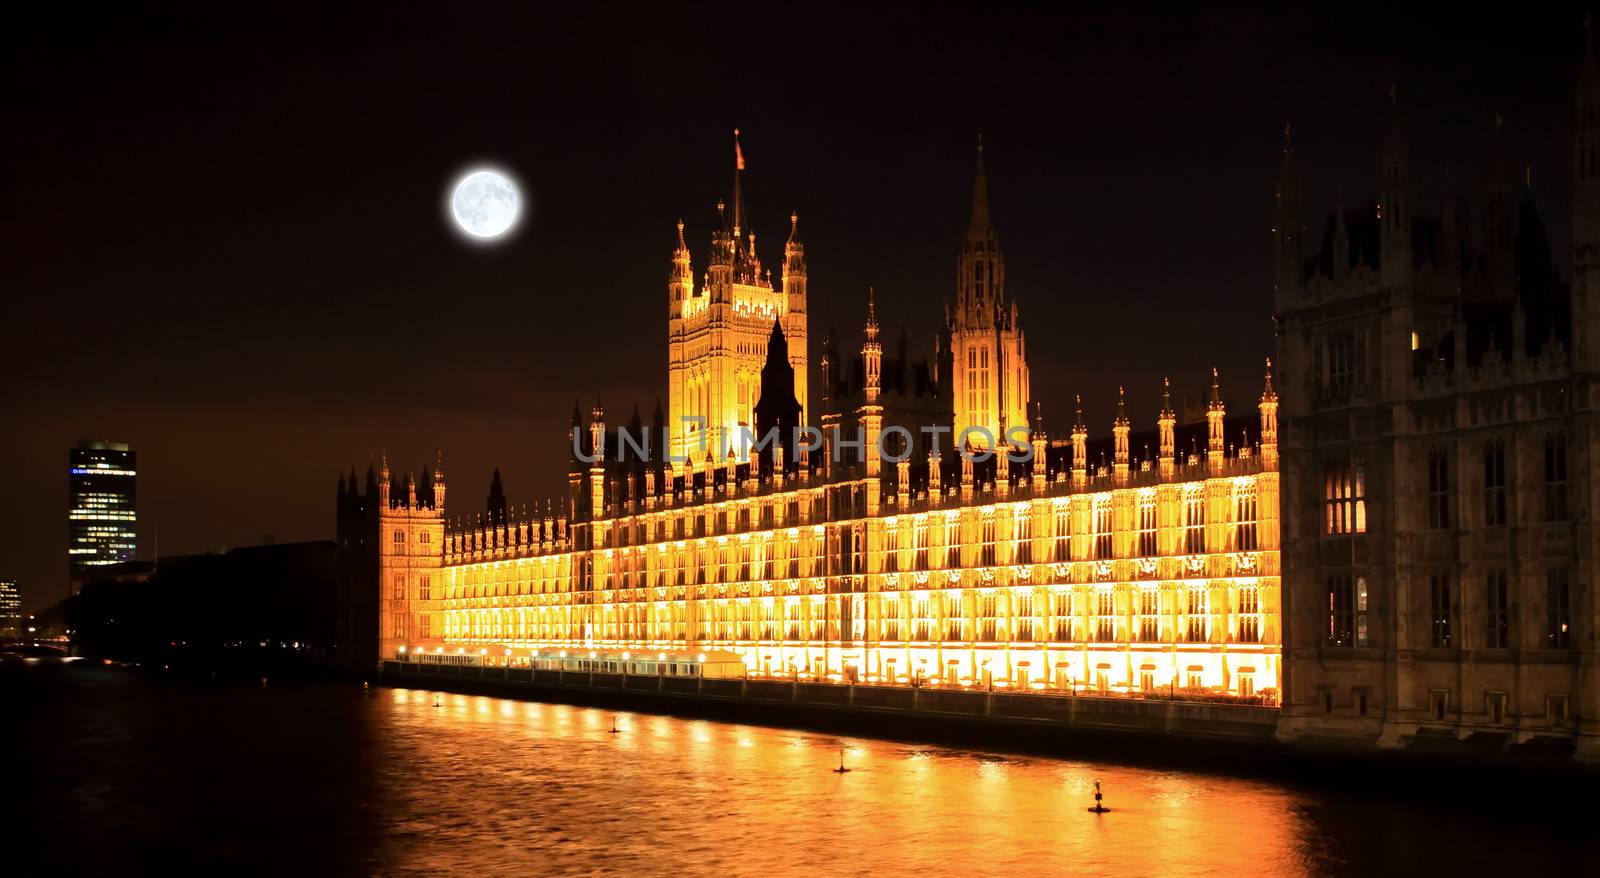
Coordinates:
10 610
101 513
279 597
355 638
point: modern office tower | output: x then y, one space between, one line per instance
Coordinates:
101 516
10 611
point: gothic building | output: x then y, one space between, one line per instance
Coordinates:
891 387
718 328
1151 575
1440 390
989 379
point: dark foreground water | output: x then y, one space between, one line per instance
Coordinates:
124 774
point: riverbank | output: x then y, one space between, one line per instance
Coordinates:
1223 738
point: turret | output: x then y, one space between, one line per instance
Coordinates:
1080 446
597 432
1287 228
385 485
794 267
872 351
577 439
438 482
1167 422
597 470
680 282
1040 442
966 476
1119 432
496 503
1269 423
1394 206
1215 412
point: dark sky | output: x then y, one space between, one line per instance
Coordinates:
223 237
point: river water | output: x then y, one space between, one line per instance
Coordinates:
122 773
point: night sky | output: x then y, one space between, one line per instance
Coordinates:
223 238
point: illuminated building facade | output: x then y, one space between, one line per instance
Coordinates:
718 328
989 374
102 518
1439 459
410 557
1035 570
10 610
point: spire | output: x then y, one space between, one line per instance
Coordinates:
872 354
1269 422
1080 448
980 193
1288 225
1119 433
1166 422
1215 412
738 179
1394 208
980 271
777 344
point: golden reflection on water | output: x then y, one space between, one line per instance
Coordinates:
489 785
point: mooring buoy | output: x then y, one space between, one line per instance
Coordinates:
1099 797
841 769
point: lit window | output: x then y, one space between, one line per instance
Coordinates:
1345 498
1558 608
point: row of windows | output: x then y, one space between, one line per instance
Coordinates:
924 617
1345 494
1348 601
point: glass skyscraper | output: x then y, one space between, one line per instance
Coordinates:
102 520
10 611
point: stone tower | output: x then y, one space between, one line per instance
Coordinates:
989 374
718 331
410 561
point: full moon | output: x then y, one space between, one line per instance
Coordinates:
485 204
